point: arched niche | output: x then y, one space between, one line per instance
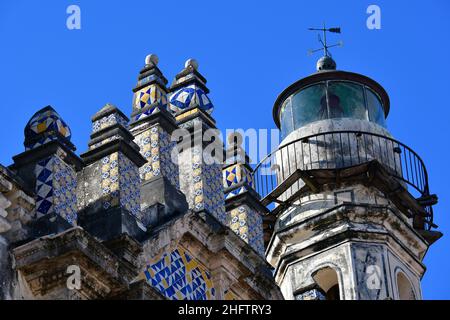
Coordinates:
327 280
404 287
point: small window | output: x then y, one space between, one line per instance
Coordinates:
343 197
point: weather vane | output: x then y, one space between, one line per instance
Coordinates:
325 46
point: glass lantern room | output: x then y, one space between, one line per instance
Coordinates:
331 98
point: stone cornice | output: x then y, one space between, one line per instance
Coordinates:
102 272
365 223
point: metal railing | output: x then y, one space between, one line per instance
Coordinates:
337 150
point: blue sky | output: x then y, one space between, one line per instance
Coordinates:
249 51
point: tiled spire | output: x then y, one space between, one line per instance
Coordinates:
111 175
244 210
150 93
152 127
45 126
117 157
237 172
189 96
49 166
200 180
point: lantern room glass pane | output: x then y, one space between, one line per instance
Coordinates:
346 100
309 105
330 100
376 111
287 122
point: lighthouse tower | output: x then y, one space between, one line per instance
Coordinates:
351 210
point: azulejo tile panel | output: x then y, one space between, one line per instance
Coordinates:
190 97
147 112
179 276
148 96
110 180
186 114
44 186
40 142
193 123
56 184
120 183
104 141
248 225
109 121
46 120
232 175
130 183
156 147
313 294
207 186
235 174
235 192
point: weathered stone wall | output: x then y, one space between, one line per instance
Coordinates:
189 258
356 231
16 210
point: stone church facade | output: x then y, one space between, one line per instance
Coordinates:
128 219
341 210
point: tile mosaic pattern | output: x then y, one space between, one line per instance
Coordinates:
193 123
120 183
243 220
313 294
186 114
109 121
56 184
46 120
146 113
248 225
235 174
104 141
150 99
156 147
208 188
40 142
235 192
179 276
190 97
130 183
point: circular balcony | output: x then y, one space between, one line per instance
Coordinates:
285 173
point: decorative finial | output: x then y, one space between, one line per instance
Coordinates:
191 63
151 59
326 62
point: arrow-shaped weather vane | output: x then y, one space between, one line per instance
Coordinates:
325 46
